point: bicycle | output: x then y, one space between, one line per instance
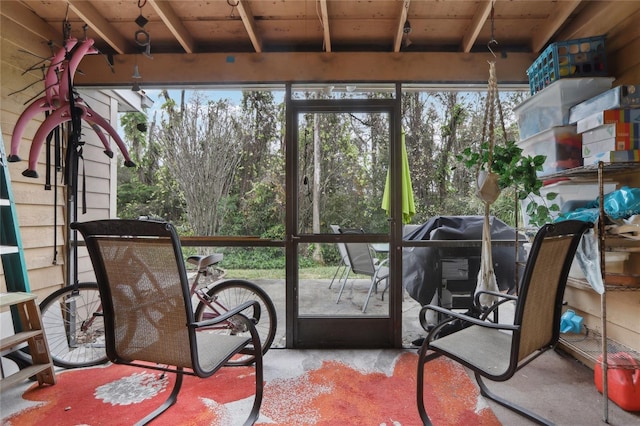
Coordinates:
72 316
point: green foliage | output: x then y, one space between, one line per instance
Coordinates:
515 170
253 258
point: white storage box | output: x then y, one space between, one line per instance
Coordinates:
571 195
621 115
562 146
613 264
550 107
618 97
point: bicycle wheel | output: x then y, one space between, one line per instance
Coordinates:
73 324
230 293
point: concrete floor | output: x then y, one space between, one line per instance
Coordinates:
555 385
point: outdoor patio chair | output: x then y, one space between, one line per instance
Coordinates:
496 351
344 268
148 316
362 262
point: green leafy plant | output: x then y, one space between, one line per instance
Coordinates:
518 171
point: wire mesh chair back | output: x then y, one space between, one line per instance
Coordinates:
150 310
359 255
539 305
341 247
148 314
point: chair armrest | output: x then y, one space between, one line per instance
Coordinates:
503 297
235 311
494 293
457 315
379 264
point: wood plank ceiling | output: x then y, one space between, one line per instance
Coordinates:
242 27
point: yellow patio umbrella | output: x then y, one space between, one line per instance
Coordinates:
408 205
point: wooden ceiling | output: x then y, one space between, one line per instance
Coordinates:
367 31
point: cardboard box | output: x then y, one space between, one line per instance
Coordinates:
618 97
622 115
611 144
627 131
562 146
611 137
613 157
550 107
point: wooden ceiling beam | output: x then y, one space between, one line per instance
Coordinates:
598 18
249 24
279 67
88 13
557 18
478 21
397 43
174 24
324 13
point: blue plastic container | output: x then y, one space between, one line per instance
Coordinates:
583 57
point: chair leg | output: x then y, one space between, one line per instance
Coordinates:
173 397
386 286
374 285
258 365
344 283
339 269
484 390
341 290
423 358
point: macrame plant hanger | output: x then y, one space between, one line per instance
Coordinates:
488 188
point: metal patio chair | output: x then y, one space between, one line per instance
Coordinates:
362 262
344 268
496 351
148 315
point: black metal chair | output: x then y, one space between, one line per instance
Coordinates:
496 351
148 315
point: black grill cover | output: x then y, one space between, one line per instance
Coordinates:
422 271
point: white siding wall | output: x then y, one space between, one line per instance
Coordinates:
43 221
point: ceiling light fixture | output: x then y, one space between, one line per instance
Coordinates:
407 27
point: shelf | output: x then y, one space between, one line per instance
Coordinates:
617 243
587 348
584 285
593 170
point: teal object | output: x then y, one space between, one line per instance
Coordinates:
570 322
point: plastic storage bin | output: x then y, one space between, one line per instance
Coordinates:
614 264
571 195
562 146
550 107
581 57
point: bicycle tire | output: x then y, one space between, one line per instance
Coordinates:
74 332
232 293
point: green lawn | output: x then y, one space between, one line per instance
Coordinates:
318 272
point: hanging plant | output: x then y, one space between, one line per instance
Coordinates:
518 171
